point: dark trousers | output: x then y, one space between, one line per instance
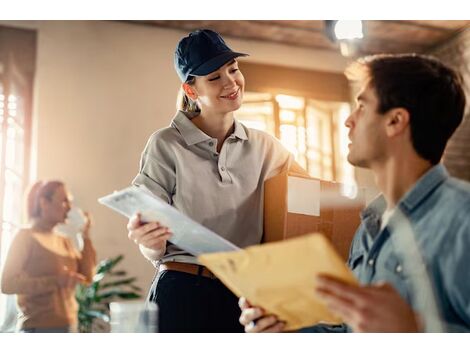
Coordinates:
194 303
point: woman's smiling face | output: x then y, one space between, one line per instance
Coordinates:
220 91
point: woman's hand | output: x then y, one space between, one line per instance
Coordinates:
151 235
69 279
255 320
87 225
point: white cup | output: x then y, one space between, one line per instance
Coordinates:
72 227
134 316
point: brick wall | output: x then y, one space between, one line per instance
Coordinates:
456 53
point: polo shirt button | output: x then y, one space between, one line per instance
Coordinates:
215 155
211 144
370 262
222 168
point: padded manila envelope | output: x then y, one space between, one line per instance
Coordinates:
280 277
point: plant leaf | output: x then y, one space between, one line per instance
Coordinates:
118 282
107 264
97 314
134 287
118 273
93 300
117 293
98 277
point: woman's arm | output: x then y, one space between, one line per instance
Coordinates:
15 279
87 261
152 254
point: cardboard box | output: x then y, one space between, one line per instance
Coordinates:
295 205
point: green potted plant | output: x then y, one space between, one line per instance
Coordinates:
107 285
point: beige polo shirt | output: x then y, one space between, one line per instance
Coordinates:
222 191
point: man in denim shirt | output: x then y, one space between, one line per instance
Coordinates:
411 251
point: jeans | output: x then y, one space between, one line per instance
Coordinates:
194 303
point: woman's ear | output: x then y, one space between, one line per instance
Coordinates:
190 91
398 120
42 203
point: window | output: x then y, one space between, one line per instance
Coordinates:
17 57
12 157
312 130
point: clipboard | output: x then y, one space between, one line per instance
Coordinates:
187 233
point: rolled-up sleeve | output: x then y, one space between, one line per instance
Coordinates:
278 158
455 264
157 171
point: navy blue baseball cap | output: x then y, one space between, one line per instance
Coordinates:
202 52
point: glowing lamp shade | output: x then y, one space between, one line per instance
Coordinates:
348 30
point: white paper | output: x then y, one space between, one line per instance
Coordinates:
187 234
303 196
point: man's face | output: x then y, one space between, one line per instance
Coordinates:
366 130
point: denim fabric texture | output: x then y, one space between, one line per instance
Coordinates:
437 210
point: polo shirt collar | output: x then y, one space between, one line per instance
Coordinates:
190 133
193 135
239 130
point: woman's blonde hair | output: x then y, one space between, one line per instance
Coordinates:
184 103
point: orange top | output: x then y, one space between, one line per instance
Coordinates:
33 263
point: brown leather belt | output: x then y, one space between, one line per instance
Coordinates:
187 268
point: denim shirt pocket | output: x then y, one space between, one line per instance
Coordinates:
395 274
355 259
395 266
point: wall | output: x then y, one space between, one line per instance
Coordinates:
456 53
101 89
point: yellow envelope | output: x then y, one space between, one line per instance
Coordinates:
280 277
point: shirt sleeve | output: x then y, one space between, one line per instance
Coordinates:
86 259
15 279
278 158
157 170
455 264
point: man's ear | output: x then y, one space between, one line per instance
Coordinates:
190 91
397 121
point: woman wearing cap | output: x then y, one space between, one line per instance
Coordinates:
42 267
211 168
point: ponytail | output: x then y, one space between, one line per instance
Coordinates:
185 104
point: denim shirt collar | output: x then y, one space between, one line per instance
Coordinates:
371 215
425 185
193 135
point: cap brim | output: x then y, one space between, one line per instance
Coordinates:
215 63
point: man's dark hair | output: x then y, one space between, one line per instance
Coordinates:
430 91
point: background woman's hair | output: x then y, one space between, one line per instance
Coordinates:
38 190
185 104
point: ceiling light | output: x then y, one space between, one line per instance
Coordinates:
348 30
346 33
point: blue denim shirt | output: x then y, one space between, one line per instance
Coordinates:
437 210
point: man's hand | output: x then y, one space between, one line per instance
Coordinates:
377 308
255 320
